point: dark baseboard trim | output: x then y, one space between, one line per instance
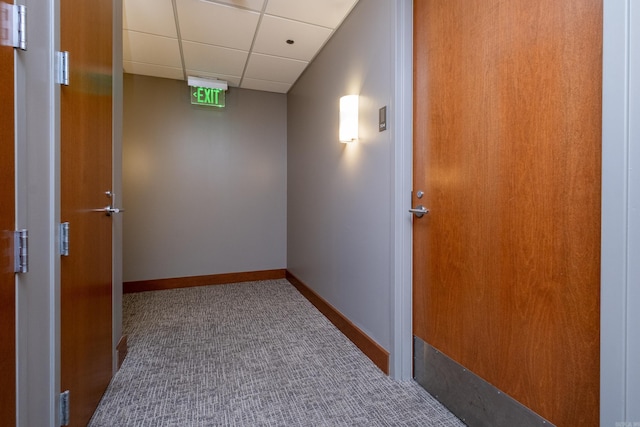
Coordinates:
212 279
121 350
378 355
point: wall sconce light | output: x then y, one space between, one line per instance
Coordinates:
348 118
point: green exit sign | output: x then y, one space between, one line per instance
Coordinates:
207 96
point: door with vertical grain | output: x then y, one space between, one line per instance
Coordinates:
86 141
7 225
507 152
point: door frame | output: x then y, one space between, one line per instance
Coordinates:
117 237
620 230
401 357
37 209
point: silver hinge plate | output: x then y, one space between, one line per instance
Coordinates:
13 25
64 408
64 239
21 255
62 68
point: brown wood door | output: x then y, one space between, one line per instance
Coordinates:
86 139
507 149
7 225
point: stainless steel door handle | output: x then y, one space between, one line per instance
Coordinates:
419 211
109 210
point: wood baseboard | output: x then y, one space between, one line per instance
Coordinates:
122 349
213 279
378 355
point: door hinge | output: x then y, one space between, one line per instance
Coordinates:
13 25
21 255
64 408
64 239
62 68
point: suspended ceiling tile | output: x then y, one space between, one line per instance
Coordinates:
214 59
212 23
150 38
328 13
244 4
273 68
231 80
274 33
153 70
149 16
150 49
265 85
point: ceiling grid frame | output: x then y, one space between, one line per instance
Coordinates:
253 42
177 21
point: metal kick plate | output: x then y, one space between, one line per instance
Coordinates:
476 402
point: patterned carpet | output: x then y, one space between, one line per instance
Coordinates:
250 354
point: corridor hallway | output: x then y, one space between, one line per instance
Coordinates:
250 354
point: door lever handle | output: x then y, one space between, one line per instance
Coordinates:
419 211
109 210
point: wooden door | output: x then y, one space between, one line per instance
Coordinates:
507 149
7 225
86 138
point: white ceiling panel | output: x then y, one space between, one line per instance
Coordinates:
231 80
328 13
275 69
153 70
212 23
274 33
150 49
241 41
150 16
214 59
265 85
243 4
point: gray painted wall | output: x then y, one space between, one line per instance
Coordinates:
340 198
204 188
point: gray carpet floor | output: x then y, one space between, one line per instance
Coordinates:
250 354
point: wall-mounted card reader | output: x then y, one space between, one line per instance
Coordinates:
382 119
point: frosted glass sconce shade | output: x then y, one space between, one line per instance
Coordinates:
348 118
